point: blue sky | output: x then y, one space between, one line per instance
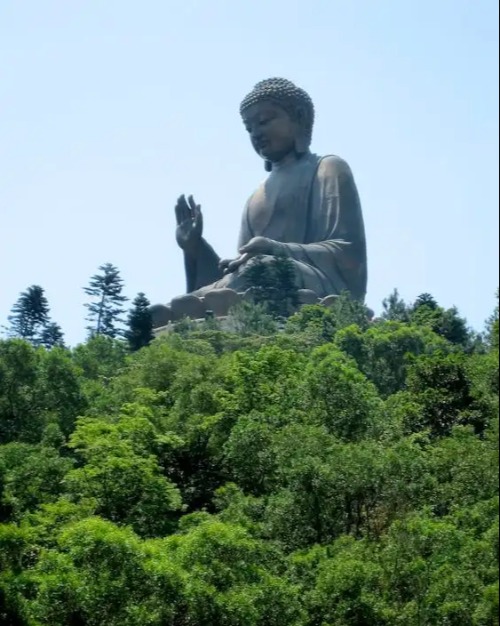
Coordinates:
110 110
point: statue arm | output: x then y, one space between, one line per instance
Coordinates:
202 268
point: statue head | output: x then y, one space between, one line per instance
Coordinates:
279 117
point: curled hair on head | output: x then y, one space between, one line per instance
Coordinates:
294 100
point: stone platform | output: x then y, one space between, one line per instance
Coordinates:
217 304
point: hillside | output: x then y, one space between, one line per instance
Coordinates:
340 472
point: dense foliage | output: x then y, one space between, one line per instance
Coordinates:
337 472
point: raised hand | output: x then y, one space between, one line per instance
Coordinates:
189 224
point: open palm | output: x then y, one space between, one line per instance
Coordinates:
189 223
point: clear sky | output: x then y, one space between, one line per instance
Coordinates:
111 109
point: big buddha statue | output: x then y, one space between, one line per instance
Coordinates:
308 210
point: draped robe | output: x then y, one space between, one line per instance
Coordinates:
312 208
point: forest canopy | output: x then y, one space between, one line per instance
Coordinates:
327 469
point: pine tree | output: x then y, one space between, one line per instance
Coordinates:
52 336
445 322
273 285
140 324
30 315
425 299
492 327
259 279
30 320
107 307
287 300
395 308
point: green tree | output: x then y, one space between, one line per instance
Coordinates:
395 308
492 327
107 306
266 381
122 476
348 591
34 475
52 336
140 324
234 578
442 386
30 315
37 388
59 390
317 324
248 318
272 284
284 276
436 571
19 418
339 396
447 323
426 299
100 358
250 454
316 321
348 311
383 352
97 574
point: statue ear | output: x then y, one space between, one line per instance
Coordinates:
302 140
301 143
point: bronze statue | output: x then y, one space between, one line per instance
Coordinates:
308 209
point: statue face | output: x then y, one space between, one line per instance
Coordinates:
272 131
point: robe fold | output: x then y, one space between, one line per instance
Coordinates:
312 208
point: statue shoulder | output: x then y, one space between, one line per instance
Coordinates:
257 194
332 165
